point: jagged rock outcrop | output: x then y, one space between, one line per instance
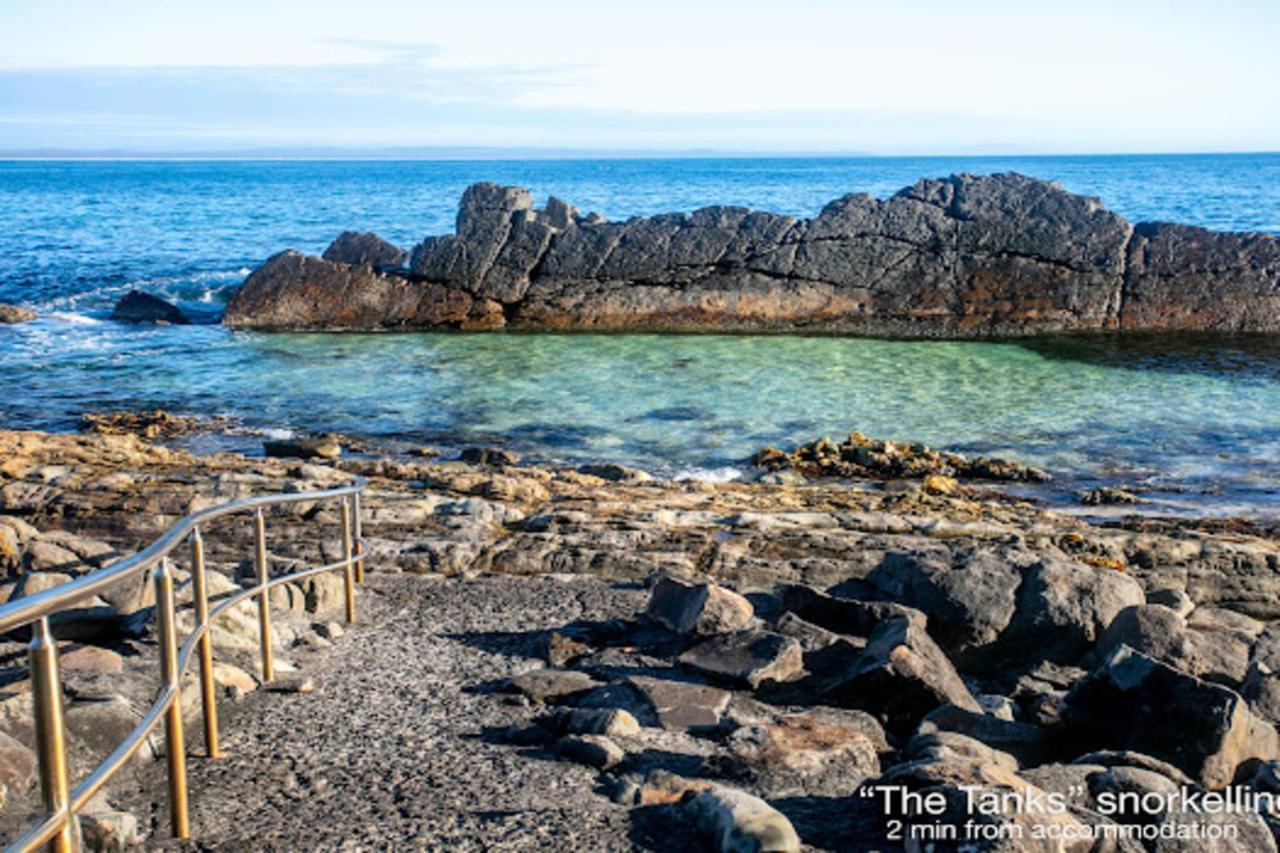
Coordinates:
295 291
957 257
368 249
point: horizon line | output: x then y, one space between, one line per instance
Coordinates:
494 153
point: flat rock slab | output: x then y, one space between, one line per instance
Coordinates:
682 705
748 658
553 685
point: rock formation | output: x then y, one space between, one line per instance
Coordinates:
138 307
965 256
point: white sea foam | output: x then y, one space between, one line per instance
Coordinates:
724 474
74 318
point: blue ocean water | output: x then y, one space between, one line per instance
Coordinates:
1191 421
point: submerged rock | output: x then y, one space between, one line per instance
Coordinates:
963 256
138 307
1109 496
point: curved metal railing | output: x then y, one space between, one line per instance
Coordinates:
61 801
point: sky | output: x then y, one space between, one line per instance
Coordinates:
792 76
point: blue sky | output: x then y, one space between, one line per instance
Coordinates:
800 76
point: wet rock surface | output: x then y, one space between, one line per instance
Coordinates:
860 456
962 256
138 307
11 314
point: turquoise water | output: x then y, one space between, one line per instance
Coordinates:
1197 422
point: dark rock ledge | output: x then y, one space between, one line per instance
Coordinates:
965 256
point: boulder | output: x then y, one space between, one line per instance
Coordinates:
953 746
367 249
595 751
1152 629
747 658
42 555
491 456
615 473
11 314
1063 607
976 797
737 822
1129 758
30 583
102 725
1208 650
970 598
91 551
1117 782
1136 703
813 752
700 608
306 447
1029 744
108 830
1041 691
91 659
611 722
843 615
138 307
900 677
18 771
562 650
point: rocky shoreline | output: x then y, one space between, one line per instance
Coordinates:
964 256
787 644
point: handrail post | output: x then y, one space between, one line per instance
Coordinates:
200 592
166 627
348 571
51 742
359 540
264 594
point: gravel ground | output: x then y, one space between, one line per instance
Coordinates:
394 748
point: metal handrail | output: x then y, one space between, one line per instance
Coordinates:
62 802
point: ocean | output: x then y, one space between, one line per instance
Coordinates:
1192 423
